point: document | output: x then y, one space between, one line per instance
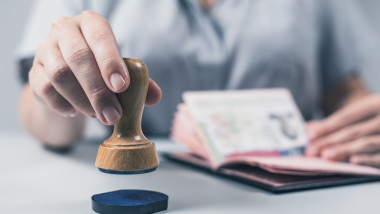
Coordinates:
259 127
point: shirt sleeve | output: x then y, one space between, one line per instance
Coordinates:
42 14
348 43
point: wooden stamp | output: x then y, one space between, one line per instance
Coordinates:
128 151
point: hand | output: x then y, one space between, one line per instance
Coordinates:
78 67
352 134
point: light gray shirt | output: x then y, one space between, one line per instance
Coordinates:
303 45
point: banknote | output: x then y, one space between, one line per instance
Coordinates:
223 124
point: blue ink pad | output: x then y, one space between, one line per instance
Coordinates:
129 201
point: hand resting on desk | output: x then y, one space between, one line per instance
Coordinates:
351 134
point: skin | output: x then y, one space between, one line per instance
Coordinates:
350 134
78 69
207 4
76 72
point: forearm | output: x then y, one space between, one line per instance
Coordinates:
47 125
347 92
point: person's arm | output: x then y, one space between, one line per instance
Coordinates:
348 91
46 125
76 71
352 133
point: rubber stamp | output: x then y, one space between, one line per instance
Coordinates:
128 151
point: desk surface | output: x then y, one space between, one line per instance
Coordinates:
34 180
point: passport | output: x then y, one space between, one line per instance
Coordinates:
258 128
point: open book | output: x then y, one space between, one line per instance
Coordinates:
262 128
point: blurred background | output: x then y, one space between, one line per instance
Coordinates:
14 15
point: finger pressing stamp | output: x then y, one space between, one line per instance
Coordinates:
128 151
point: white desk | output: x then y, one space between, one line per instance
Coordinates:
33 180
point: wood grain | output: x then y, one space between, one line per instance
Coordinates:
128 149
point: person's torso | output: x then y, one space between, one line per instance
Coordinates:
237 45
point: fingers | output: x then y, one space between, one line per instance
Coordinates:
347 134
101 40
154 93
343 152
63 80
79 67
80 59
351 114
44 90
367 159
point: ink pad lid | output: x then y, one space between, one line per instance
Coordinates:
129 201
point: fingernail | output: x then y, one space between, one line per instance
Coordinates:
70 114
74 113
117 81
355 159
329 154
110 114
312 134
311 151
